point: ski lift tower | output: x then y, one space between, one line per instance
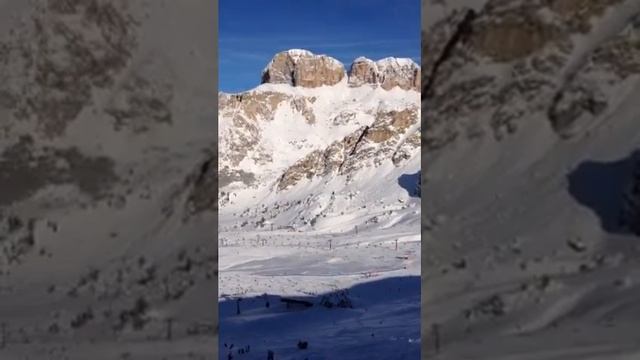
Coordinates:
270 224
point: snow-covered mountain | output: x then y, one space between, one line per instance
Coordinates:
107 202
312 129
530 133
319 198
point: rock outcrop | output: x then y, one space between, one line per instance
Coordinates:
490 69
363 71
388 73
303 68
392 137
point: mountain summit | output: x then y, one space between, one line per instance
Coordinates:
310 128
388 73
302 68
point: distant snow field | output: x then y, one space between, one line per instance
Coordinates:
381 281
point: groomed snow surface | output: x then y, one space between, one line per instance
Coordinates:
382 284
374 266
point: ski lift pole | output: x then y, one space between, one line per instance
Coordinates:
169 334
436 337
3 341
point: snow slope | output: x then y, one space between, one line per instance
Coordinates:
107 119
524 257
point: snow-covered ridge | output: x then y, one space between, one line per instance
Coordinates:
388 61
396 62
254 123
299 52
362 59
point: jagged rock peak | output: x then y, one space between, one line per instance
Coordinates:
303 68
388 73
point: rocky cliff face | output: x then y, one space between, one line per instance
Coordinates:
393 136
388 73
303 68
514 59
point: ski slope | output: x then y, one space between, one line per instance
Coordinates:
381 281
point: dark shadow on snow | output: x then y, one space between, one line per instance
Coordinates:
411 183
387 298
600 186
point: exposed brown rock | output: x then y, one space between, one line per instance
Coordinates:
512 38
302 105
400 73
303 68
367 146
406 149
60 55
403 119
245 110
321 162
388 73
363 71
259 104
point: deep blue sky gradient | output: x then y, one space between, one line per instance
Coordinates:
252 31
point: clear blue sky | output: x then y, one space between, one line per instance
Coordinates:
252 31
